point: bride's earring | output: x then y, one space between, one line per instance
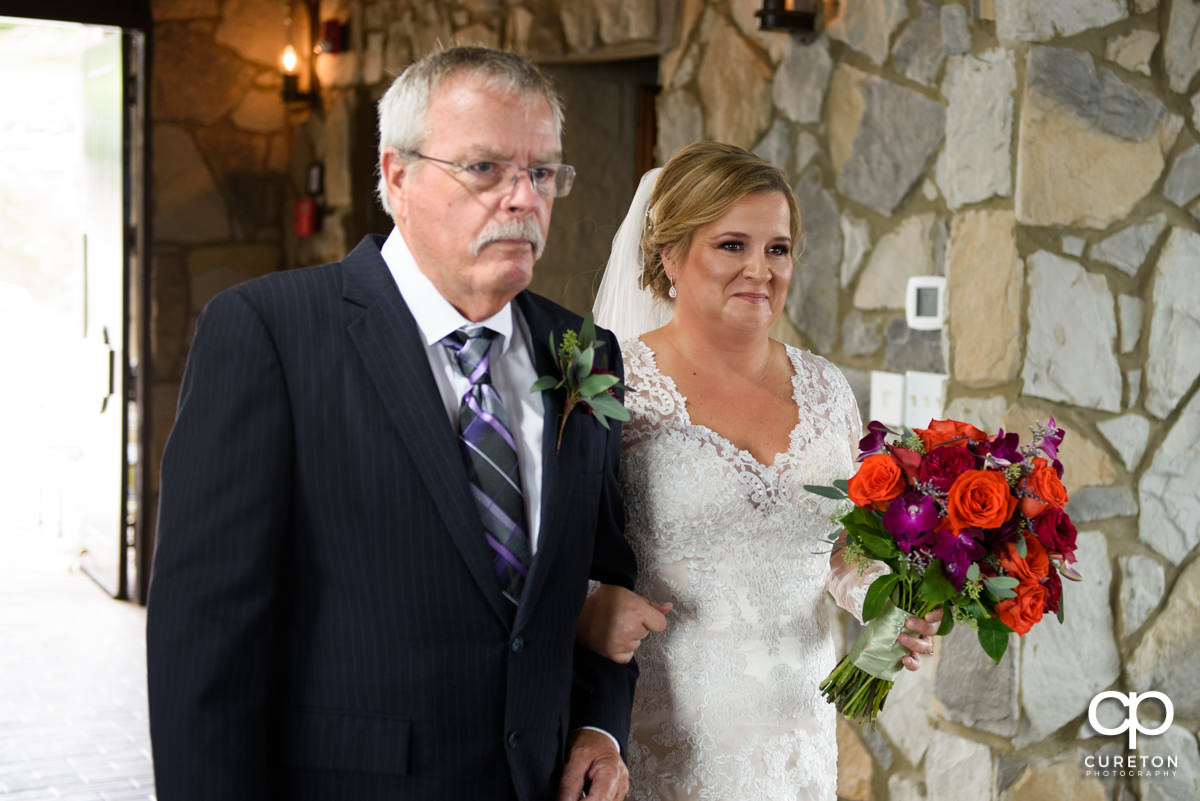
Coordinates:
671 293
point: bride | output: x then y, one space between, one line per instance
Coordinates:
727 426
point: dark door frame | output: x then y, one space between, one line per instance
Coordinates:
130 16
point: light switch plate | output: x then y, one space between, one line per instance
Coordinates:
887 398
924 398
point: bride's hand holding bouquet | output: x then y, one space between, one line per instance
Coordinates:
966 522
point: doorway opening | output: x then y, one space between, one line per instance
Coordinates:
609 136
70 298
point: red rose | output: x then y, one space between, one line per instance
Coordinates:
942 465
1055 530
942 432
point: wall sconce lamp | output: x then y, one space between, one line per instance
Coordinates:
797 17
291 62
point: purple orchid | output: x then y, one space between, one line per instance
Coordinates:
910 518
1005 449
875 441
1048 437
957 550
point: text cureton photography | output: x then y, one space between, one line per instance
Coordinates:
1110 765
1130 764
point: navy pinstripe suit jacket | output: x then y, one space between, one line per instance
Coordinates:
323 619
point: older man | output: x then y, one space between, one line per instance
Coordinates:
371 552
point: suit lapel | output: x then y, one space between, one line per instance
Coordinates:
555 479
390 345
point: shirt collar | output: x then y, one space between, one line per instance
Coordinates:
435 316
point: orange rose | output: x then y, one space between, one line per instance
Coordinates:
1034 566
941 432
876 482
979 498
1020 613
1045 489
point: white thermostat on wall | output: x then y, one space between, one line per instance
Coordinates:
925 302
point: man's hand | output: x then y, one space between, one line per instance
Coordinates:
614 621
594 763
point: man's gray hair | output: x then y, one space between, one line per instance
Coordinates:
403 108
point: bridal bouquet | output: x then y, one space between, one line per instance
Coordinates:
971 523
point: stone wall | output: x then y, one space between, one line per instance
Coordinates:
1043 156
230 157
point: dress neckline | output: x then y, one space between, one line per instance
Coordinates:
725 442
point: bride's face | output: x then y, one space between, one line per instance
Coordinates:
736 271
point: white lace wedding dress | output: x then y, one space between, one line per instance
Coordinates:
728 706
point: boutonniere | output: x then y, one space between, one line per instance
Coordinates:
587 384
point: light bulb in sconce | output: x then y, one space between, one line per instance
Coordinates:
289 60
800 18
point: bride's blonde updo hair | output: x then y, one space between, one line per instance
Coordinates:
698 185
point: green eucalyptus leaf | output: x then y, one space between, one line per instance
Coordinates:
947 623
1001 586
587 332
544 383
1022 548
973 572
595 384
843 485
602 418
609 406
825 492
581 365
877 596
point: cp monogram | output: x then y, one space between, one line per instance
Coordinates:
1131 722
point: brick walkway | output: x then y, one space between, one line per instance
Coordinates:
72 680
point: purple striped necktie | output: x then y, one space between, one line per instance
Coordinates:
490 453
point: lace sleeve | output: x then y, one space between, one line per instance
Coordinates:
848 584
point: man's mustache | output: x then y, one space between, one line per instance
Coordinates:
525 228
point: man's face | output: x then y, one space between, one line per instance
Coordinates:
478 248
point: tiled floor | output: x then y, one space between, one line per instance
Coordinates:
72 680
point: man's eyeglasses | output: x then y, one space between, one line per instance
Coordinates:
550 180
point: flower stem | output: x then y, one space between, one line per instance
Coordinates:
562 426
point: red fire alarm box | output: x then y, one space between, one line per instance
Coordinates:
304 213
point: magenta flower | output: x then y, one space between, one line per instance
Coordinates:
910 518
1004 448
1048 437
957 550
875 440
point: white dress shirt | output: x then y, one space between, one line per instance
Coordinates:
511 367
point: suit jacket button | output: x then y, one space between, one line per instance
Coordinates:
518 645
512 739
